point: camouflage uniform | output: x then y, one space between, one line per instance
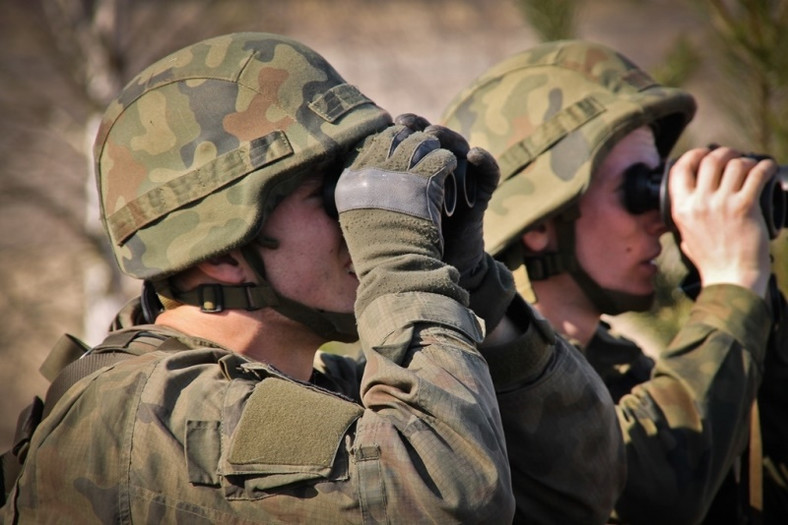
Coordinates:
562 437
550 115
199 433
623 365
619 362
544 388
189 431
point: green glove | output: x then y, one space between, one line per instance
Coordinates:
489 282
389 201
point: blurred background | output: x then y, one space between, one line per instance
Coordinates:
62 61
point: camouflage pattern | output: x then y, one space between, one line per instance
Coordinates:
686 425
562 435
203 435
193 432
542 383
620 363
160 154
549 115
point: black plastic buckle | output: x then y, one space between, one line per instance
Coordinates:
211 298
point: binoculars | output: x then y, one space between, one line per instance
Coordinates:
458 189
647 189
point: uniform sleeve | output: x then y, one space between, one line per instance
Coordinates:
208 436
564 443
684 427
430 443
773 408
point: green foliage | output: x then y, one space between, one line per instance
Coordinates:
749 42
679 65
750 38
552 19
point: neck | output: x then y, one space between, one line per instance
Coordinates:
263 335
563 303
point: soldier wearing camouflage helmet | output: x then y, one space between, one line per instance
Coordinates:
210 168
217 173
568 122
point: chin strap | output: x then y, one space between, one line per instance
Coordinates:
546 265
215 298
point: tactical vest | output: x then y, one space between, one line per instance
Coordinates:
69 361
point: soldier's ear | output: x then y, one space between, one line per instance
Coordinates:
226 268
539 238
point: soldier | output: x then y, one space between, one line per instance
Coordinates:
570 124
213 404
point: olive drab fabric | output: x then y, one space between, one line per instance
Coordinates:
620 362
204 434
159 152
562 435
719 379
548 115
389 201
413 432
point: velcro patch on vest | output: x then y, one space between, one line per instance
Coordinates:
287 427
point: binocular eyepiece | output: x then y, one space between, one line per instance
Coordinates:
459 189
647 189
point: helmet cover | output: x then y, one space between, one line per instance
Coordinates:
549 115
196 151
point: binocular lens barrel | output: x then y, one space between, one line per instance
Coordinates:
647 189
458 188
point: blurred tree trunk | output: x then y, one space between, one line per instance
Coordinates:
88 35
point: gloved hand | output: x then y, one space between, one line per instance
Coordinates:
489 282
389 201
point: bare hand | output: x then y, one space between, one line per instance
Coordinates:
715 205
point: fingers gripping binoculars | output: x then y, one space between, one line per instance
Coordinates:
459 189
647 189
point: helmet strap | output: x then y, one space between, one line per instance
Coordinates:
333 326
215 298
547 264
607 301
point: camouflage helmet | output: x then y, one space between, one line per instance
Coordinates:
550 115
196 151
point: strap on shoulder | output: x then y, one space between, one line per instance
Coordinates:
69 361
67 349
117 346
75 371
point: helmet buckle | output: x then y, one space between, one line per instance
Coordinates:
211 298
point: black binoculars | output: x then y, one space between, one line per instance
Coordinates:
458 189
647 189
